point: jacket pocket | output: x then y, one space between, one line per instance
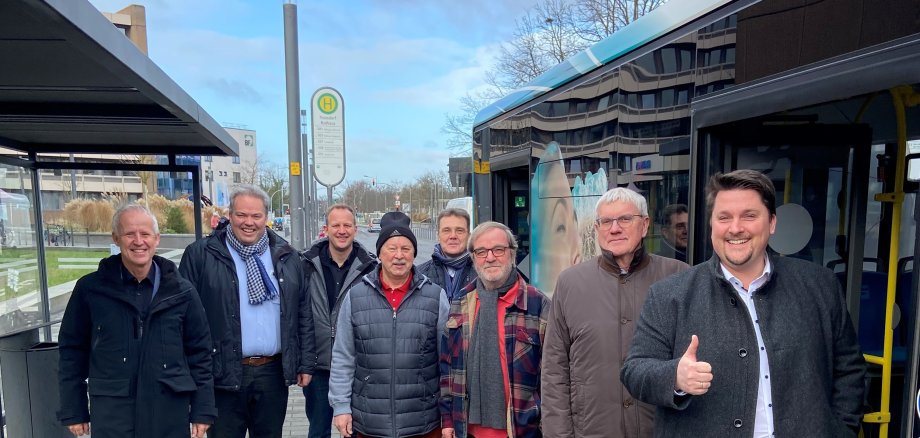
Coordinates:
217 363
182 383
527 344
109 387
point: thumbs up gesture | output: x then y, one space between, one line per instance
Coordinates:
693 377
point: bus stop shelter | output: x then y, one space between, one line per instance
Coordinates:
72 83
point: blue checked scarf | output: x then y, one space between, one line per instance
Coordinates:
460 264
260 286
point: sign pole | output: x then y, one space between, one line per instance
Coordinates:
292 77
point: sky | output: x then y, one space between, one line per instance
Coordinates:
400 66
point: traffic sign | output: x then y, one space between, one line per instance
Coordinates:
328 116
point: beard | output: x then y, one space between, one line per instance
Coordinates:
491 276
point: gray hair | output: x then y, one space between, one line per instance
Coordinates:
249 190
354 219
625 195
116 219
456 212
488 226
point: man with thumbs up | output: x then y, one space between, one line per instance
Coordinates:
747 344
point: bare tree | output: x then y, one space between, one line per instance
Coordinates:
459 126
250 171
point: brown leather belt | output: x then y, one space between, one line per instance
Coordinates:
257 361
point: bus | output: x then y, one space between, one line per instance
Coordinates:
820 96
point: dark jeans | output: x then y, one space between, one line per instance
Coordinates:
319 412
259 406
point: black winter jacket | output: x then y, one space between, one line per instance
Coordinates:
437 273
208 264
147 378
324 319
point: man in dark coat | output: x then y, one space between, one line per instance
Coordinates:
254 292
747 344
137 331
332 265
384 380
451 266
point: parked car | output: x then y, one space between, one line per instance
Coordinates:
375 226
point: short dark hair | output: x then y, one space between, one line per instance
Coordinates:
456 212
354 220
671 210
742 179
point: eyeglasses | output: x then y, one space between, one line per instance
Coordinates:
624 221
498 251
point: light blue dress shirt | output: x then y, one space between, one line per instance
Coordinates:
763 420
260 323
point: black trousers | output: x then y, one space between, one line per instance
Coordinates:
259 406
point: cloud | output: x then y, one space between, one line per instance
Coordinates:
444 91
235 90
386 158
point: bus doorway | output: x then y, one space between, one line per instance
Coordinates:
510 206
834 186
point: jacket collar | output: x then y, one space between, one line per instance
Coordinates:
640 260
110 271
361 254
277 246
714 265
520 299
373 278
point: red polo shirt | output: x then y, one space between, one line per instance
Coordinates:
395 295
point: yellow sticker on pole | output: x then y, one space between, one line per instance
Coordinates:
295 168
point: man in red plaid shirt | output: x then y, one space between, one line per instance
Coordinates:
497 325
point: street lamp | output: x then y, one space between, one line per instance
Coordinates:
272 200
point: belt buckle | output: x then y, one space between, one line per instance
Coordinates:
254 360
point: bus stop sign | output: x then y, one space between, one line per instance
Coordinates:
328 120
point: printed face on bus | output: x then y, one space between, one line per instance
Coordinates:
741 229
247 219
396 257
493 258
340 228
620 228
554 221
136 239
452 235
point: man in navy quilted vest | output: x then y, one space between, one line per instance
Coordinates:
384 379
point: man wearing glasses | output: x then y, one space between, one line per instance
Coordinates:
594 312
491 346
674 232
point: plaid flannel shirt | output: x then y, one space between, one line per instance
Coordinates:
525 324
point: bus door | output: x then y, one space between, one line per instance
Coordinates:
832 186
510 205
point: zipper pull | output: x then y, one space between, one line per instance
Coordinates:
140 329
394 314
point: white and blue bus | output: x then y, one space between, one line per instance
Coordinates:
822 96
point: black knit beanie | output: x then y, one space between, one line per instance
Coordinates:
394 224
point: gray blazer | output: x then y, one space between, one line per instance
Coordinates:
816 368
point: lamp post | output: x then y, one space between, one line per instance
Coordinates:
272 200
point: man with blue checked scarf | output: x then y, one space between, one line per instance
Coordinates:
253 289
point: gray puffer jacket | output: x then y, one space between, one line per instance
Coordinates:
385 362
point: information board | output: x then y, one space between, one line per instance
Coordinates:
328 117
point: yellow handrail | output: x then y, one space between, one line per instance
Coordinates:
903 96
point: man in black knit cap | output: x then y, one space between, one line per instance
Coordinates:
384 379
